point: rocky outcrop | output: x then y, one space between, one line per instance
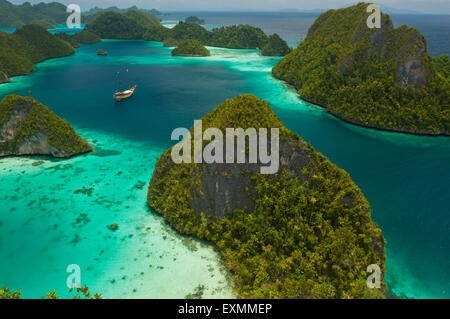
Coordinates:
4 78
190 48
102 52
30 128
406 46
260 221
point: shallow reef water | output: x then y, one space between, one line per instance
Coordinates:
58 212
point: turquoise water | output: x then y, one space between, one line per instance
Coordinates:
405 178
62 28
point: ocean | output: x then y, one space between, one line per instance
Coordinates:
293 26
54 213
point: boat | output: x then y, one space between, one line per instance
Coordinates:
119 96
122 95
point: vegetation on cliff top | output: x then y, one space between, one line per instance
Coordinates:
37 118
80 293
125 26
90 15
46 15
380 78
192 48
83 37
232 37
170 42
275 46
86 37
113 25
309 233
27 46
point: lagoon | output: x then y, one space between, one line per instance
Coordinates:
44 225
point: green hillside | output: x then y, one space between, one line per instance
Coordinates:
381 78
27 46
44 14
304 232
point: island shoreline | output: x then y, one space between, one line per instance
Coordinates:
325 108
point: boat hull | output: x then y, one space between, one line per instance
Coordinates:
120 96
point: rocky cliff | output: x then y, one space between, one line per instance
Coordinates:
303 232
29 128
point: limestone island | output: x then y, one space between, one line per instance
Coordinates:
374 77
304 232
170 42
191 48
194 19
275 46
231 37
29 128
29 45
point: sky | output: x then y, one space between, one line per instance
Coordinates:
421 6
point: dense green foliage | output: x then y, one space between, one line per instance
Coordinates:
157 33
170 42
232 37
113 25
242 36
29 45
190 31
131 25
191 48
275 46
68 38
83 37
39 119
145 20
380 78
309 235
442 66
194 19
86 37
90 15
46 15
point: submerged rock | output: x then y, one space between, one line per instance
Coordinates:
29 128
303 232
101 52
113 227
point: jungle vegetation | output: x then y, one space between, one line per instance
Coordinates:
83 37
309 233
275 46
113 25
194 19
381 78
79 293
192 48
29 45
232 37
47 15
